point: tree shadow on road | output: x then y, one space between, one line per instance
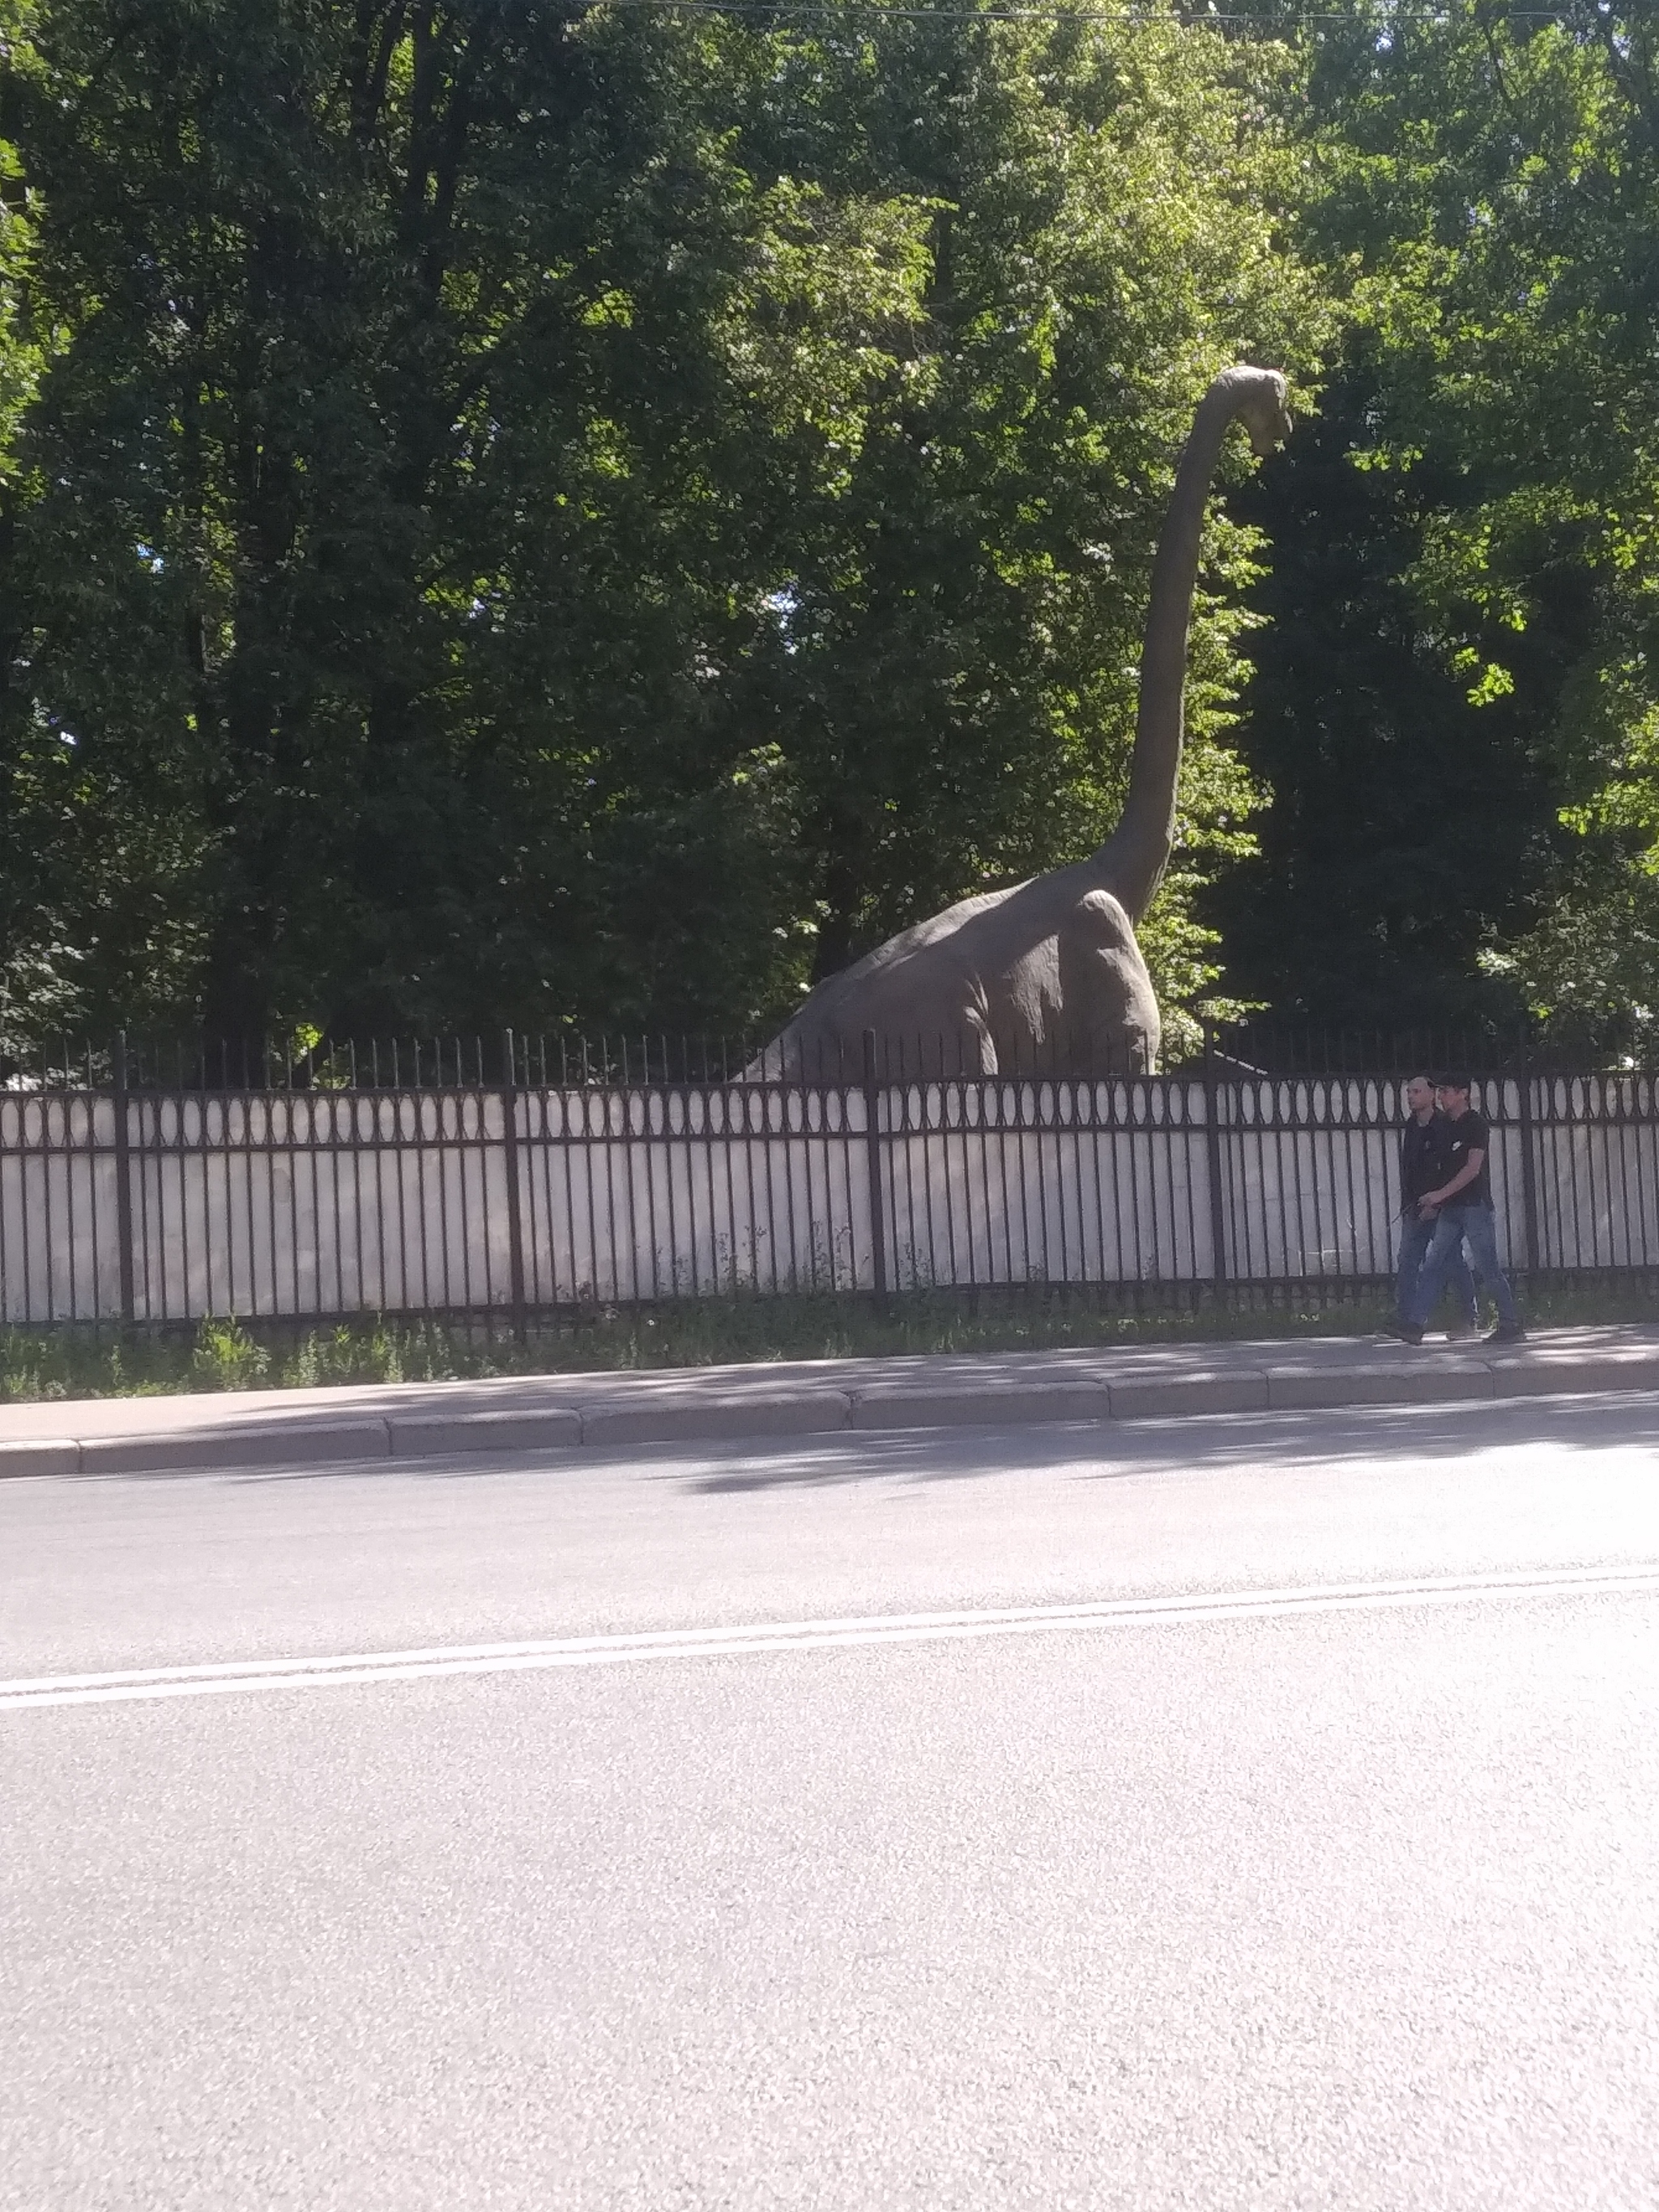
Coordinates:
1202 1444
1085 1450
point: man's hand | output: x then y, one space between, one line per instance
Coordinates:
1429 1204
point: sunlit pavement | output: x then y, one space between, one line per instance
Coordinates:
1233 1812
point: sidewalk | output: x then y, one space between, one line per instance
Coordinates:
572 1412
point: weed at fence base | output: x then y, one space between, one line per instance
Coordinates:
75 1361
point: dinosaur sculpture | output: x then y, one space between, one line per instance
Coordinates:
1047 973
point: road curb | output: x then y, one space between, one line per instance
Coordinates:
51 1456
270 1443
1545 1373
728 1417
1298 1389
1148 1398
433 1436
654 1411
978 1405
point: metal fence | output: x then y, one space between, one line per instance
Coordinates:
514 1182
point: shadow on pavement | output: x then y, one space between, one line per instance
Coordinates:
1091 1450
1105 1451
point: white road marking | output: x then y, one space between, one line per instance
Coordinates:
218 1679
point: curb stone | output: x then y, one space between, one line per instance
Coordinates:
1545 1373
738 1413
1307 1388
51 1456
834 1399
1149 1398
981 1406
270 1444
431 1435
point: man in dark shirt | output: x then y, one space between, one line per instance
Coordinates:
1423 1166
1461 1211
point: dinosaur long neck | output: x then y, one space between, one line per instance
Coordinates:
1132 861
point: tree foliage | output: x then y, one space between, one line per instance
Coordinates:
19 358
596 514
1460 737
538 513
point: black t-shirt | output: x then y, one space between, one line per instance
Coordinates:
1422 1159
1468 1133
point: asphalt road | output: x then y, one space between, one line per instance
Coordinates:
1295 1847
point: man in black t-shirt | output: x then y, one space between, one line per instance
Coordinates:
1424 1168
1461 1211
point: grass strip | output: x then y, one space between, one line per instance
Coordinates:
75 1361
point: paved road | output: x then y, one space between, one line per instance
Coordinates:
1187 1894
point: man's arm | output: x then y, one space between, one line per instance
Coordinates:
1432 1199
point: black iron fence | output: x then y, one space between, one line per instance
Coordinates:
516 1177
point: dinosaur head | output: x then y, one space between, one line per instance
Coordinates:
1259 401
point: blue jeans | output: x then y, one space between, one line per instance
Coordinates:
1475 1226
1415 1238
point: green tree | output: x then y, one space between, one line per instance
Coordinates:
538 514
1410 830
1458 735
953 672
19 358
386 489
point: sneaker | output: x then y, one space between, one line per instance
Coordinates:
1507 1332
1406 1331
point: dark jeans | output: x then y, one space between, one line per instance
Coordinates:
1415 1238
1475 1226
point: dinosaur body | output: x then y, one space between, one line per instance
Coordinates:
1049 973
